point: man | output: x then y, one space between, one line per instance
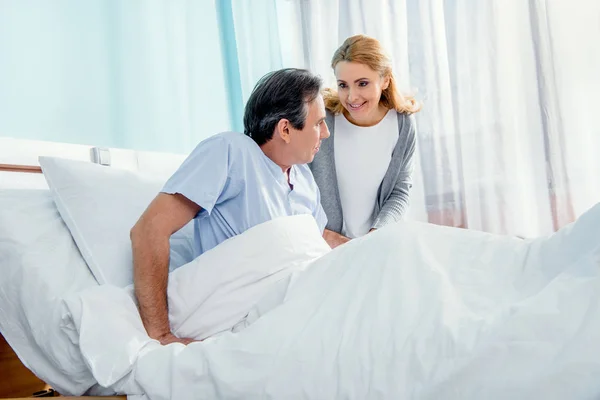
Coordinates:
232 182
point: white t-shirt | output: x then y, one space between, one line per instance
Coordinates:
362 157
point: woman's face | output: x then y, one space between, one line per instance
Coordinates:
359 90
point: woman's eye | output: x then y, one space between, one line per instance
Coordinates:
341 85
363 84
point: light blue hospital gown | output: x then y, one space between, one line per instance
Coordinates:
238 187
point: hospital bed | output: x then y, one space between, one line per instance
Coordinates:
411 311
40 263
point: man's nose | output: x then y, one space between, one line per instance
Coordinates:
325 132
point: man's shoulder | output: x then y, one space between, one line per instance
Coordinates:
230 137
229 141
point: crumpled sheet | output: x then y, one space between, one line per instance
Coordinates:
412 311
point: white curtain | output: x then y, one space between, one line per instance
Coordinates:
508 136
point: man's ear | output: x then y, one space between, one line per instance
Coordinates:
283 130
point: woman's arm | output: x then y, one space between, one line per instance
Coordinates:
396 205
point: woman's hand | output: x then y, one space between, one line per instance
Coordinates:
334 239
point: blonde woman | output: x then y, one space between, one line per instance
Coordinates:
364 170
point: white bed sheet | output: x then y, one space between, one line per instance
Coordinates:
39 264
412 311
207 297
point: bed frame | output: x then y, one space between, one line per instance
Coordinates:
19 168
17 380
74 397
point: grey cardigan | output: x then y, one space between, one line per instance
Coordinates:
393 193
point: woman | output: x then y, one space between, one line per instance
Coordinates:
364 170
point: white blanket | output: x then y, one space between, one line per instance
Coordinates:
413 311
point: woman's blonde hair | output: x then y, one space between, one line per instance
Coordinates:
368 51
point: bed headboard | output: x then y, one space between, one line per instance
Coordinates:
19 167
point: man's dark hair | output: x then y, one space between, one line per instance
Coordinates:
281 94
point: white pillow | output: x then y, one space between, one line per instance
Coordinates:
216 290
39 264
100 205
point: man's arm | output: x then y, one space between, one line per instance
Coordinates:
334 239
150 245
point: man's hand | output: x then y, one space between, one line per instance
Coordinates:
169 338
334 239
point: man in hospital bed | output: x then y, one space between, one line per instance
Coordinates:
232 182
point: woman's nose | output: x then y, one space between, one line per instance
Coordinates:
352 95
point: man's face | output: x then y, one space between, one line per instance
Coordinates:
306 142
